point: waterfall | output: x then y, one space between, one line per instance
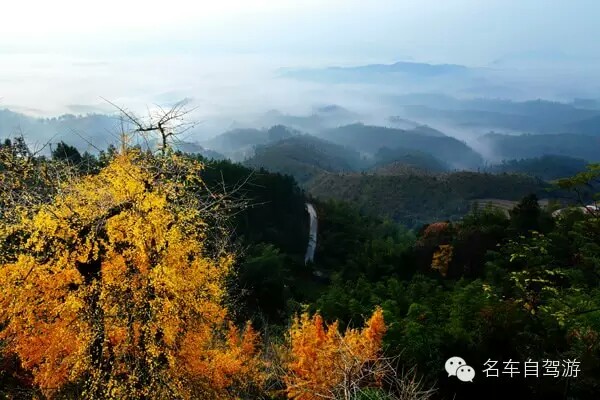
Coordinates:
312 234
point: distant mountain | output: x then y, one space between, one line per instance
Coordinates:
237 138
413 126
334 110
548 167
426 130
322 117
536 116
402 123
539 107
82 131
537 58
304 157
195 148
508 147
369 139
590 104
554 120
239 144
377 73
589 126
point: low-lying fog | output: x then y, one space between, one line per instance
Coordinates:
243 64
238 90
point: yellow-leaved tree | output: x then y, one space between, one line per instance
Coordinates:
110 290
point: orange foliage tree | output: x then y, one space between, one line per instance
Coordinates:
323 363
109 290
436 228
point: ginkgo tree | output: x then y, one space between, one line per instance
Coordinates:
109 289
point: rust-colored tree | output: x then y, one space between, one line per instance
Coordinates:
320 362
109 289
326 364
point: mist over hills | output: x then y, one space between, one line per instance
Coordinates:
547 118
82 131
506 147
321 117
459 101
454 133
378 119
491 80
378 73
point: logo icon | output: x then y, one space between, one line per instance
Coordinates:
457 366
465 374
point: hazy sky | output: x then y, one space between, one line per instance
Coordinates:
63 55
461 31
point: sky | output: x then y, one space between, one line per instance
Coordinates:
460 31
55 54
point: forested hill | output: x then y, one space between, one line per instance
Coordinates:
548 167
414 199
527 146
304 157
370 139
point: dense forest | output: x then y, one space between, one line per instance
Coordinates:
133 274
